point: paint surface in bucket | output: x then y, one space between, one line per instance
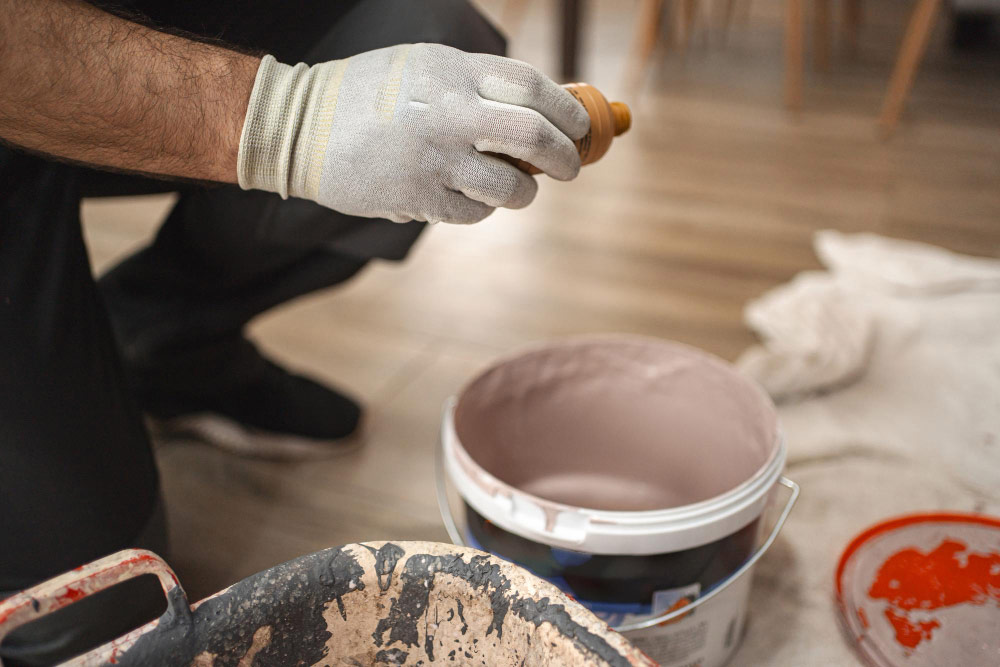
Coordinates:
631 472
622 426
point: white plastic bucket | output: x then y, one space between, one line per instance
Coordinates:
631 472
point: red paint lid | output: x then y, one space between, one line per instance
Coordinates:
923 590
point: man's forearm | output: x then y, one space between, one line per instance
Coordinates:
81 84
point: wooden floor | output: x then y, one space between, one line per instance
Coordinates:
712 199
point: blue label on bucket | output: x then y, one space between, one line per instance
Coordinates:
613 613
617 613
663 601
569 558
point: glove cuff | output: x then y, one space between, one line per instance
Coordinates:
287 127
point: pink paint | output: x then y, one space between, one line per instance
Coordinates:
621 424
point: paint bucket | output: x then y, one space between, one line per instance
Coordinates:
376 603
633 473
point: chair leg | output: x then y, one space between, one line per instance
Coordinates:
910 54
793 54
851 26
647 34
689 13
821 35
728 11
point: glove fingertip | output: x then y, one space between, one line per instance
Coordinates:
525 193
567 170
579 123
572 117
477 216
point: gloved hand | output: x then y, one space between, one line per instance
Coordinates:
401 132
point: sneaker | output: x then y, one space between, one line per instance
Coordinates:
228 395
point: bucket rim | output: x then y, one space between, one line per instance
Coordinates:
626 517
610 532
671 615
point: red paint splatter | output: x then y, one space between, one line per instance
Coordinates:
863 617
910 634
10 612
911 579
72 594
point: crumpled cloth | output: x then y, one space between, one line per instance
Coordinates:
886 371
818 331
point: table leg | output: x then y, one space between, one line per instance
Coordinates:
571 10
793 54
910 54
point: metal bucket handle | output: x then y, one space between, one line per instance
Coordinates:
64 590
793 494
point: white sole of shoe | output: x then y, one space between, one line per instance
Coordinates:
231 436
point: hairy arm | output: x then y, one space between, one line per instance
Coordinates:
84 85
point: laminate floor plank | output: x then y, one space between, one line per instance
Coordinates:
712 199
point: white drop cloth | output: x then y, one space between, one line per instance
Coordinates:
886 368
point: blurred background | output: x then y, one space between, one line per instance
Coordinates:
756 123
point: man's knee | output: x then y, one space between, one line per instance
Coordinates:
374 24
463 26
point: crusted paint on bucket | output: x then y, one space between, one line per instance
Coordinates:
631 472
375 603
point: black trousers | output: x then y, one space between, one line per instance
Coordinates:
77 476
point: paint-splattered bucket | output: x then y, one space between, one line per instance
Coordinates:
382 603
631 472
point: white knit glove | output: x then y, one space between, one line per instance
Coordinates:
401 133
